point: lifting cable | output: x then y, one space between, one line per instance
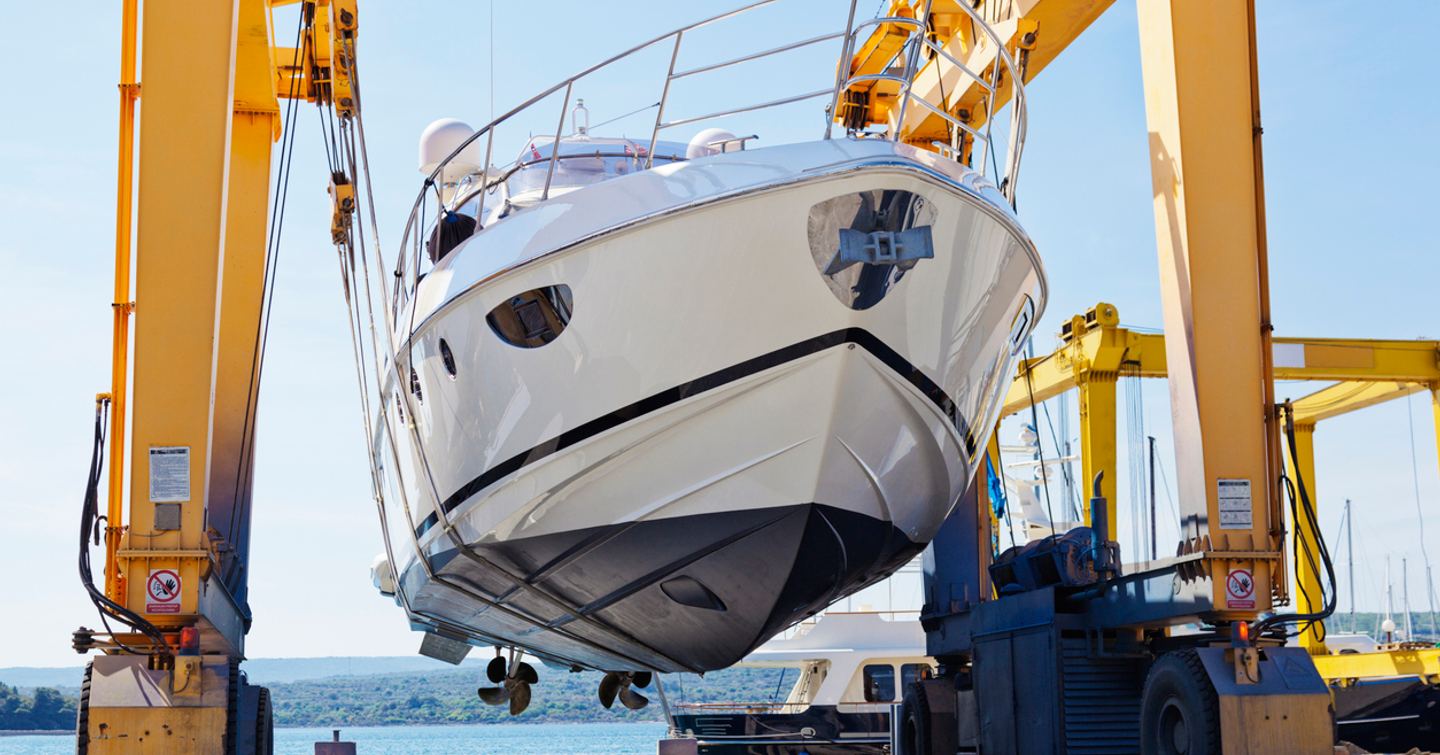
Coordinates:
245 463
1039 444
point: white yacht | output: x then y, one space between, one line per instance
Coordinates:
652 401
849 669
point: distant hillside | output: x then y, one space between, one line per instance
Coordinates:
348 692
448 697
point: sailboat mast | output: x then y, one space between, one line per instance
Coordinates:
1389 592
1153 543
1350 557
1405 594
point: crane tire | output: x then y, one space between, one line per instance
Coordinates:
1179 711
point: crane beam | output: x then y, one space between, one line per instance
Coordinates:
1042 28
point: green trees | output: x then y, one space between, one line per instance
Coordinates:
45 709
448 697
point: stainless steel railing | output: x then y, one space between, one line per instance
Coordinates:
908 65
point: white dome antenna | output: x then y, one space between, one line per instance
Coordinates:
441 138
711 141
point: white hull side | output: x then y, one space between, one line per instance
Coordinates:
707 369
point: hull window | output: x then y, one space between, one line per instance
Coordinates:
534 318
448 357
864 243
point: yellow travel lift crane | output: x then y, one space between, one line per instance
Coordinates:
1056 646
178 420
182 402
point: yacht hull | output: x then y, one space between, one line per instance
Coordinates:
722 439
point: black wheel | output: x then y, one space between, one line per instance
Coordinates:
82 715
914 723
1179 713
264 724
232 709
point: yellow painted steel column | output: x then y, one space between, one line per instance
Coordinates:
1310 596
121 305
254 124
188 57
1097 439
1201 105
1435 411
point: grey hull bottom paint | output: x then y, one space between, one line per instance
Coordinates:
767 567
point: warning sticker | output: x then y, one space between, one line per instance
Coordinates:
162 591
1236 512
169 474
1240 589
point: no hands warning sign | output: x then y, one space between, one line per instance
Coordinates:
1240 589
162 591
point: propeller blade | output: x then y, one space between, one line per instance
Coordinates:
495 670
520 699
526 673
641 679
609 688
493 695
632 699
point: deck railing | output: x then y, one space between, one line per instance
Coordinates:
905 71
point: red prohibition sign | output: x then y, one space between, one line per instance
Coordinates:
1240 583
163 585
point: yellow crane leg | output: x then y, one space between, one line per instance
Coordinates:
1210 230
121 305
1310 595
1435 410
1097 439
182 173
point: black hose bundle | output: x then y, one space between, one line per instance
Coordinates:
89 522
1300 501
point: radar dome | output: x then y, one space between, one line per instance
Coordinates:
704 143
440 139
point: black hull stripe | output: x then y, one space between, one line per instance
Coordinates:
858 336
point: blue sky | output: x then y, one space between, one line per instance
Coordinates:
1350 122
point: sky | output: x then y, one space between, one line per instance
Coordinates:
1350 167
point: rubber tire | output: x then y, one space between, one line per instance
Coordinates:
82 714
264 724
914 723
232 710
1177 694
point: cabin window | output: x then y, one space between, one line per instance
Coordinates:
534 318
913 672
879 683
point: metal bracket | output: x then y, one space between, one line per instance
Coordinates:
899 248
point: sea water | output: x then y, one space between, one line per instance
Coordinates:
520 739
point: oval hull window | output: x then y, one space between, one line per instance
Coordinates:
447 357
534 318
864 243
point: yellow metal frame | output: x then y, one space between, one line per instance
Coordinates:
1095 348
181 375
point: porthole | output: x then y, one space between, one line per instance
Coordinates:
448 358
534 318
415 385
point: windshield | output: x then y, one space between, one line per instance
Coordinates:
583 161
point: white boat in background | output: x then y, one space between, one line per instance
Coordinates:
849 669
653 402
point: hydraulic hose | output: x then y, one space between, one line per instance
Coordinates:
1300 501
89 512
